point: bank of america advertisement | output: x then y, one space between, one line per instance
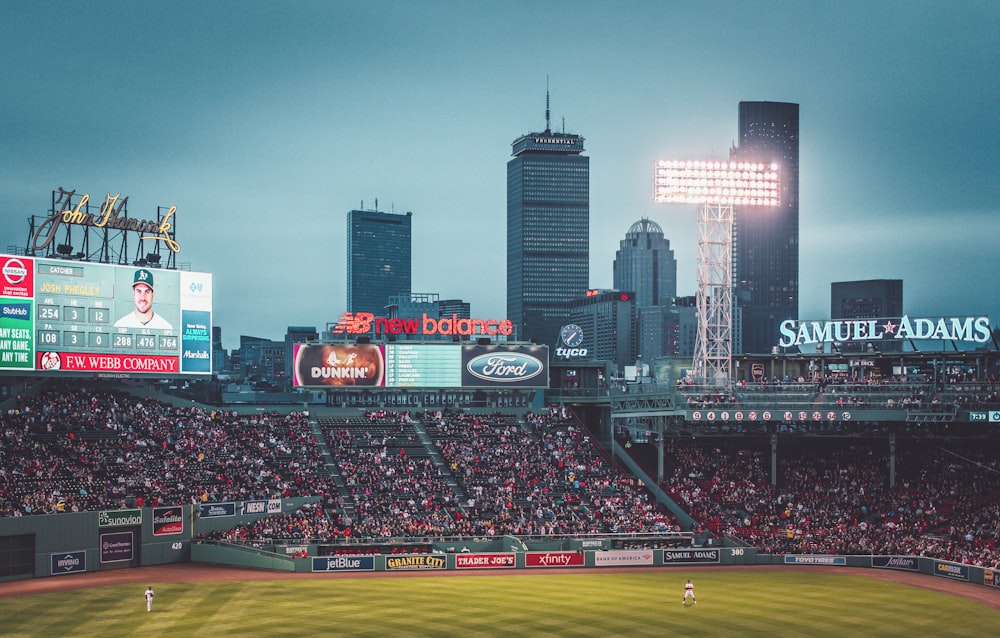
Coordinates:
420 365
82 317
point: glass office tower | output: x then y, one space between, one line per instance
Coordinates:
548 232
766 240
378 259
645 264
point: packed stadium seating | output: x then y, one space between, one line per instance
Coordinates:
384 474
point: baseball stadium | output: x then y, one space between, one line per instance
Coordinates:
437 477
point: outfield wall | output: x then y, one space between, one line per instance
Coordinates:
73 542
56 544
681 558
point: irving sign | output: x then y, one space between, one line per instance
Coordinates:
797 333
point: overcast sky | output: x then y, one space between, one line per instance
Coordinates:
266 122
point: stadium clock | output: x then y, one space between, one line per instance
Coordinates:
571 335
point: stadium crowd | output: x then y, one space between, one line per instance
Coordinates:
75 450
395 474
836 498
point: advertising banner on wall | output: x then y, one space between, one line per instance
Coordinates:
615 557
553 559
690 556
117 547
951 570
343 564
417 561
68 563
217 510
484 561
167 521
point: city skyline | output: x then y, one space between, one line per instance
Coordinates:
265 125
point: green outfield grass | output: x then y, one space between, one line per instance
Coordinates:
780 603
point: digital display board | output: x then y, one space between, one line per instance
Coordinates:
76 316
425 365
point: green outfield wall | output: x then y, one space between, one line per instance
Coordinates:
55 544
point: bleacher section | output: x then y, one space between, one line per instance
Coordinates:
385 476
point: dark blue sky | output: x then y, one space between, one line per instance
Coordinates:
265 122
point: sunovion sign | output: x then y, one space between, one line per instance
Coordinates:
797 333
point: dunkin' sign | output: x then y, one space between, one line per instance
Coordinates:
339 365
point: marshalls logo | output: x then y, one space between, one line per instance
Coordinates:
14 271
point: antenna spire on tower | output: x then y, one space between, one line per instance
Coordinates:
547 127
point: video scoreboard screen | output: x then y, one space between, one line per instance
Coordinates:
424 365
74 316
420 365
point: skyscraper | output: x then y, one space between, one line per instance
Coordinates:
645 264
868 299
766 240
548 231
378 259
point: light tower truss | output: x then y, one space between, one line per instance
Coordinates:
713 346
717 187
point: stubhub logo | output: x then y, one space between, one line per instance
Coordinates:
16 311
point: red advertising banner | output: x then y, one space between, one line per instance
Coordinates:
17 277
90 362
554 559
484 561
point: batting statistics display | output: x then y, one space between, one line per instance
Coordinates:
73 316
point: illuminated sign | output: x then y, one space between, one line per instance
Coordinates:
339 365
418 365
795 333
396 365
361 323
504 367
73 316
109 217
713 182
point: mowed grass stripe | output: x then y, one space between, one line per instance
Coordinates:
737 603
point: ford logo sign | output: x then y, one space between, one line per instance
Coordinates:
504 367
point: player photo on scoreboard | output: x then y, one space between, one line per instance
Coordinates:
146 298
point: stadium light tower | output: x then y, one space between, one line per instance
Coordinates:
716 187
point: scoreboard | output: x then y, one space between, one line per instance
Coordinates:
75 316
420 365
423 365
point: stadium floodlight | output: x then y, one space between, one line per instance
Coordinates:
710 182
716 187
